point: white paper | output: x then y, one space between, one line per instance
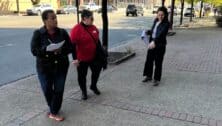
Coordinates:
145 37
54 46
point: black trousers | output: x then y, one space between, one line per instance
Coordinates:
52 80
82 70
156 56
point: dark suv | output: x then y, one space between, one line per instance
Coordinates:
134 10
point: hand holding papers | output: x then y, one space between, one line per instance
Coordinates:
52 47
144 37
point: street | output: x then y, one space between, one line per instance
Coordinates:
15 34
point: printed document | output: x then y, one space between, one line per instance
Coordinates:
54 46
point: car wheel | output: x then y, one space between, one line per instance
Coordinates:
127 14
141 14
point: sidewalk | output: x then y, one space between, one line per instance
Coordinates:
189 93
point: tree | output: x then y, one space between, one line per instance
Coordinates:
181 13
163 3
191 11
34 2
77 8
172 13
17 4
201 8
105 24
214 2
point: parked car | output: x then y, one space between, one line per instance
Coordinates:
155 8
92 6
134 10
38 9
110 8
66 9
187 12
140 10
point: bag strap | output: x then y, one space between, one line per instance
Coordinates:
90 34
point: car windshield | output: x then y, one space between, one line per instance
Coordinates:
131 6
139 7
47 5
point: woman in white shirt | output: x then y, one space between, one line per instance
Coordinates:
156 47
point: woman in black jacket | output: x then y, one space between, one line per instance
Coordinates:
156 47
52 64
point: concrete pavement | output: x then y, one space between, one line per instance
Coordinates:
189 93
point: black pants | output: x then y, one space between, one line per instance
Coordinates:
82 70
52 82
156 56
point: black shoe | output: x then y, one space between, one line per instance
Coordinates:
146 79
156 83
84 97
95 90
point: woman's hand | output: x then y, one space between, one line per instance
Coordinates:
76 62
151 45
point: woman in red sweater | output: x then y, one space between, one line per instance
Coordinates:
84 37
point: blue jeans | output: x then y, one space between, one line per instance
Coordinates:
52 83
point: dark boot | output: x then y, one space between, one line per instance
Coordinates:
146 79
95 90
156 83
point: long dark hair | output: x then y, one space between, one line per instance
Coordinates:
164 10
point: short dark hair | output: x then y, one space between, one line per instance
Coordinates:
164 10
86 13
45 14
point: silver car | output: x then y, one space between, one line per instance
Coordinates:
38 9
66 9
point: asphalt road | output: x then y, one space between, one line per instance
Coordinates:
17 61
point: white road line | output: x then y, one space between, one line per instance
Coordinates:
7 45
